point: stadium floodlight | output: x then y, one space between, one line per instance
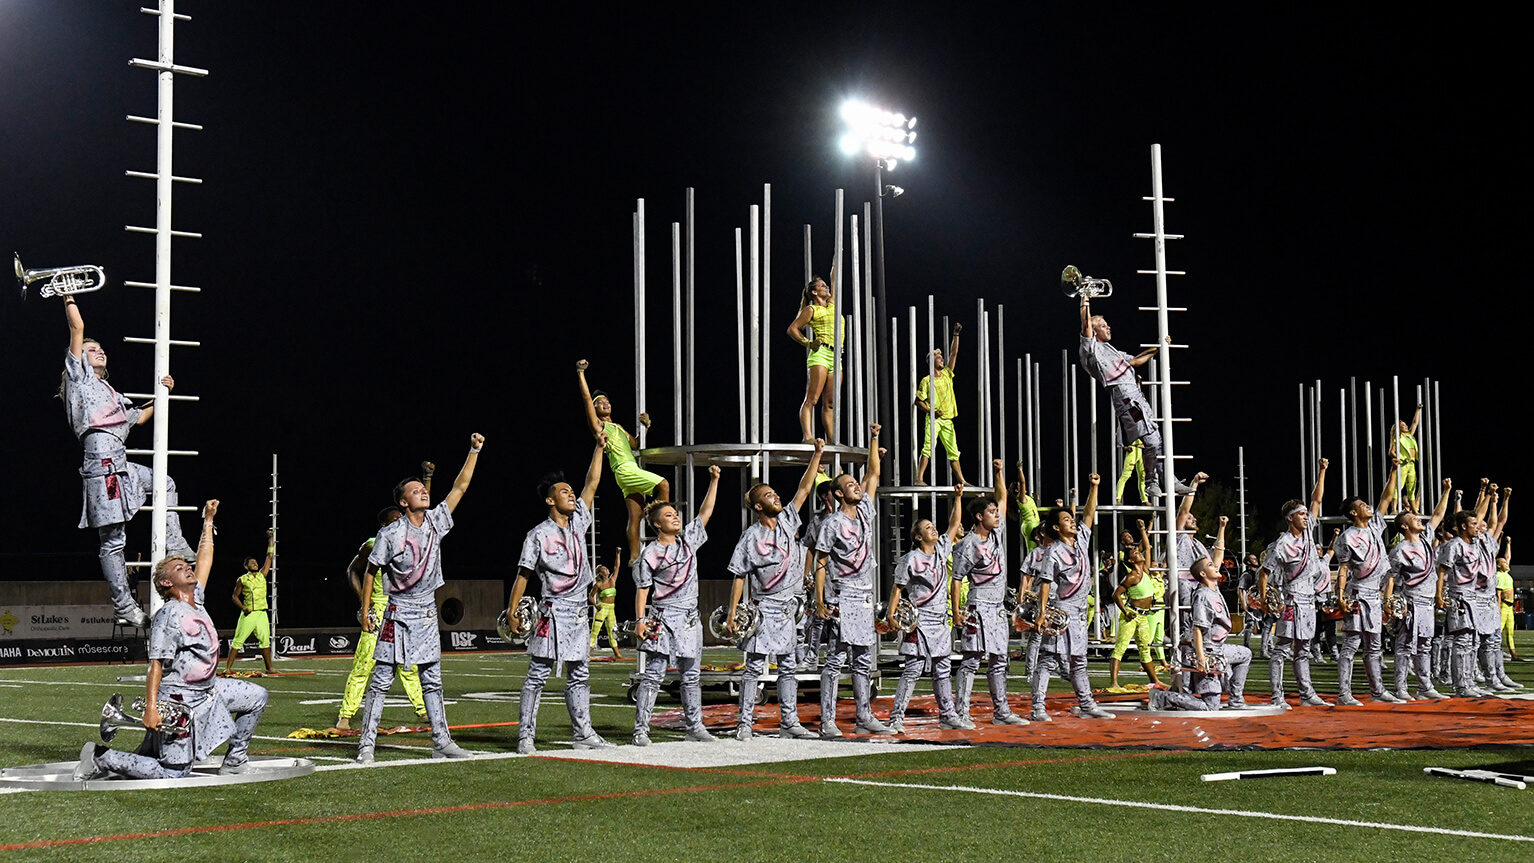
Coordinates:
887 136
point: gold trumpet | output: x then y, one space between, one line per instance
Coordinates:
61 281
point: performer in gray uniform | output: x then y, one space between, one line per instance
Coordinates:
1488 621
769 554
407 555
1212 657
1467 569
921 577
1192 555
1411 569
981 557
1028 584
1361 555
817 631
667 572
554 552
1066 578
1292 561
1115 370
845 547
114 488
183 662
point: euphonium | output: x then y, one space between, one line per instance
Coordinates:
175 717
1055 621
1074 284
62 281
747 618
527 616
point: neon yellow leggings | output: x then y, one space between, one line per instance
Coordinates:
1158 635
605 615
1507 627
1134 463
1138 630
362 669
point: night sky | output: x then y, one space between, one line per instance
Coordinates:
416 221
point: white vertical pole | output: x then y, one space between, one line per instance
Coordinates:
162 223
1241 490
871 356
691 424
1075 438
1164 375
1395 431
978 363
1025 444
1038 419
272 573
859 336
838 408
1353 430
639 321
932 404
985 397
766 324
895 400
740 335
1065 428
755 341
1001 387
1342 436
678 334
1369 434
1424 458
916 432
849 408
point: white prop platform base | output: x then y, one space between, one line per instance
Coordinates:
59 776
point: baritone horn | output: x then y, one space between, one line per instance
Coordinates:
747 619
61 281
1074 284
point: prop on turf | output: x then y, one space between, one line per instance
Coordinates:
1270 774
1504 780
59 776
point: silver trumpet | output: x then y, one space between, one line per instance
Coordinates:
1331 605
1074 284
527 616
175 718
747 618
61 281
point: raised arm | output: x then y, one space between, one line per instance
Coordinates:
1186 508
1416 418
205 544
1496 532
427 470
807 482
706 511
271 552
1388 495
871 475
591 410
594 476
1483 501
1443 506
1319 492
1000 489
1086 316
953 347
1089 514
956 517
1022 483
465 474
76 327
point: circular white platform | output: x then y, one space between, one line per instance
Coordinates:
59 776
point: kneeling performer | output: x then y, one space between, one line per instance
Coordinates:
767 553
667 571
183 659
1213 658
922 575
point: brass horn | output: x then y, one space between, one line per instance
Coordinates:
747 618
527 616
175 718
61 281
1074 284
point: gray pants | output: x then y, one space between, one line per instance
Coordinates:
1032 639
114 542
1284 650
431 693
788 688
1413 655
649 687
862 657
995 677
577 696
246 701
941 686
1373 649
1074 667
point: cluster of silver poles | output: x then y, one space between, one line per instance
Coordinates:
1367 439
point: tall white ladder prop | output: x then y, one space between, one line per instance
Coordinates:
1164 382
272 574
165 69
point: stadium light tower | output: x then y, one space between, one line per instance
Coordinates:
888 138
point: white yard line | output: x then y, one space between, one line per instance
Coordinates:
1197 810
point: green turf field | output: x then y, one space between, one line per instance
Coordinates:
913 803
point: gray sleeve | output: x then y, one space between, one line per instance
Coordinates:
530 548
739 566
643 577
695 533
903 569
164 636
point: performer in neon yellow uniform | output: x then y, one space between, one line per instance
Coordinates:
1505 598
1406 436
818 312
634 481
1134 463
1134 596
941 396
250 598
367 642
603 598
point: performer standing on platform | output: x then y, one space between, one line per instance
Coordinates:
817 310
250 598
407 556
183 661
1212 657
1505 593
634 481
1066 577
1115 370
1362 562
1411 568
1403 445
921 577
845 546
367 642
554 552
604 599
667 572
938 390
768 554
114 488
1134 596
981 559
1292 561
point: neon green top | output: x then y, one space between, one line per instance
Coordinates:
380 598
1027 519
1145 587
945 404
253 591
1504 580
1408 448
823 322
618 451
608 592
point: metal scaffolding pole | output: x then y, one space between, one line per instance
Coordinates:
755 331
838 410
740 335
639 322
766 325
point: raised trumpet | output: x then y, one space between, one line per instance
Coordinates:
527 616
747 619
61 281
1074 284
